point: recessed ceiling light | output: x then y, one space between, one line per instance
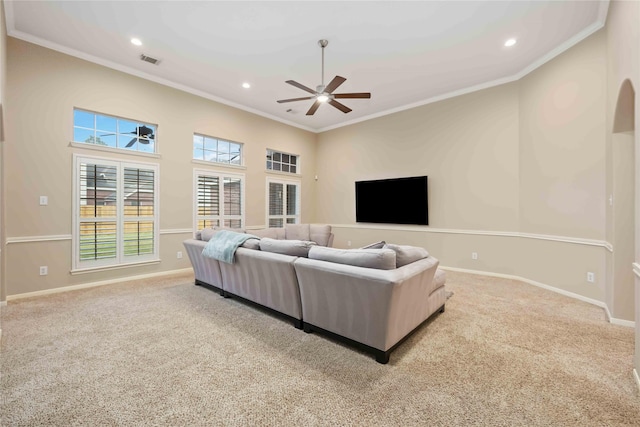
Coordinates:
136 41
246 85
510 42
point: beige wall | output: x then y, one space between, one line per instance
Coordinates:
3 78
525 158
623 60
39 158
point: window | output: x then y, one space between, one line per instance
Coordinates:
282 162
219 200
116 212
114 132
216 150
283 202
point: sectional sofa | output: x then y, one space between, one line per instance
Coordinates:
372 298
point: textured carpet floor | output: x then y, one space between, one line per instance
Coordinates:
166 352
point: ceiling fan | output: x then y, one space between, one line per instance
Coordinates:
324 93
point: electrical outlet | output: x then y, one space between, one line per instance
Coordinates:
179 255
44 270
349 243
474 255
44 200
591 277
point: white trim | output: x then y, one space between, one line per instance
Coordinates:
619 322
636 269
110 267
255 227
425 229
113 150
636 377
95 284
3 303
176 231
218 165
531 282
32 239
608 246
11 31
280 173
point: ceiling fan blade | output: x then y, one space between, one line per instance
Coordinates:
300 86
339 106
313 108
333 84
352 95
130 144
295 99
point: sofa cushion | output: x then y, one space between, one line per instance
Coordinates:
407 254
297 232
376 245
381 259
207 233
320 234
265 232
251 244
286 247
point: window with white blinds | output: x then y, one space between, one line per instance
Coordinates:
219 200
115 212
283 202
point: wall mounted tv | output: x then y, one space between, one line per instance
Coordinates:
393 201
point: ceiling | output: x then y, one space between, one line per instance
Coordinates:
405 53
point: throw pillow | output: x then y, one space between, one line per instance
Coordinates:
297 232
407 254
381 259
320 234
376 245
286 247
207 233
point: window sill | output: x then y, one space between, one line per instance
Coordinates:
113 150
280 173
112 267
218 165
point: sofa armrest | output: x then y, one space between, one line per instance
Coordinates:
374 307
206 270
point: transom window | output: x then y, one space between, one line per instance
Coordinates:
114 132
283 202
216 150
219 200
116 212
282 162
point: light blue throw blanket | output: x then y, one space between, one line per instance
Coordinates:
222 246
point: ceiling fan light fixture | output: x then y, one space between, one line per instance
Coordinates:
322 98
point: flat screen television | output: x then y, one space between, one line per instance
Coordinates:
393 201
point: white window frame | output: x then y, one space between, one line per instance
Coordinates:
120 259
284 216
298 165
221 175
228 164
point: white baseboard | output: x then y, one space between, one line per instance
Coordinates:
620 322
94 284
595 302
637 378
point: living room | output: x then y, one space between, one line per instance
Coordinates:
531 179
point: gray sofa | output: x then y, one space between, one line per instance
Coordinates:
371 298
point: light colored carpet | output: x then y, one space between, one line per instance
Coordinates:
166 352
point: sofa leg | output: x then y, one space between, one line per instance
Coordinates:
224 294
442 309
382 356
297 323
306 327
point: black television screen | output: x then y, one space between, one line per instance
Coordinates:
393 201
